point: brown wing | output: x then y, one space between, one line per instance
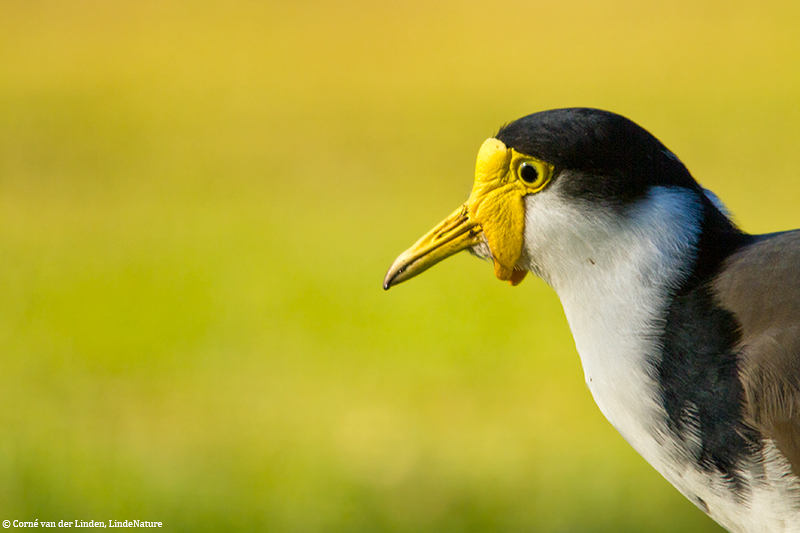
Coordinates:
760 284
770 367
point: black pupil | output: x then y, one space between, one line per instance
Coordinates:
528 173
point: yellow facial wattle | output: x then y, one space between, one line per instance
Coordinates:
495 212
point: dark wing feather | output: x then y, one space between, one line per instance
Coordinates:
760 285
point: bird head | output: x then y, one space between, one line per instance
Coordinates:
547 175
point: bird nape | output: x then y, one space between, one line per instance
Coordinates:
688 328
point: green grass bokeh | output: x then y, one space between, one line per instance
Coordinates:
198 202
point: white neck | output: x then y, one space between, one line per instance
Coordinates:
613 274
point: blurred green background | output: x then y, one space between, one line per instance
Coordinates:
199 200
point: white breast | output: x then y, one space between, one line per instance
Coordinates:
614 273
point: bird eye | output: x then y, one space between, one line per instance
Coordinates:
528 173
533 173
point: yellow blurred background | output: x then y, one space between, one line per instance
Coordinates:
198 202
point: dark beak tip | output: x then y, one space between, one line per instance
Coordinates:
388 280
391 278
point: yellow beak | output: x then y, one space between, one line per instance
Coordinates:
455 233
494 213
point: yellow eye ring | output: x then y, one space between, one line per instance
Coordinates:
534 174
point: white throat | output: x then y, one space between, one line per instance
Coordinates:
613 273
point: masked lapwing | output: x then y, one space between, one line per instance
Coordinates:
688 328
